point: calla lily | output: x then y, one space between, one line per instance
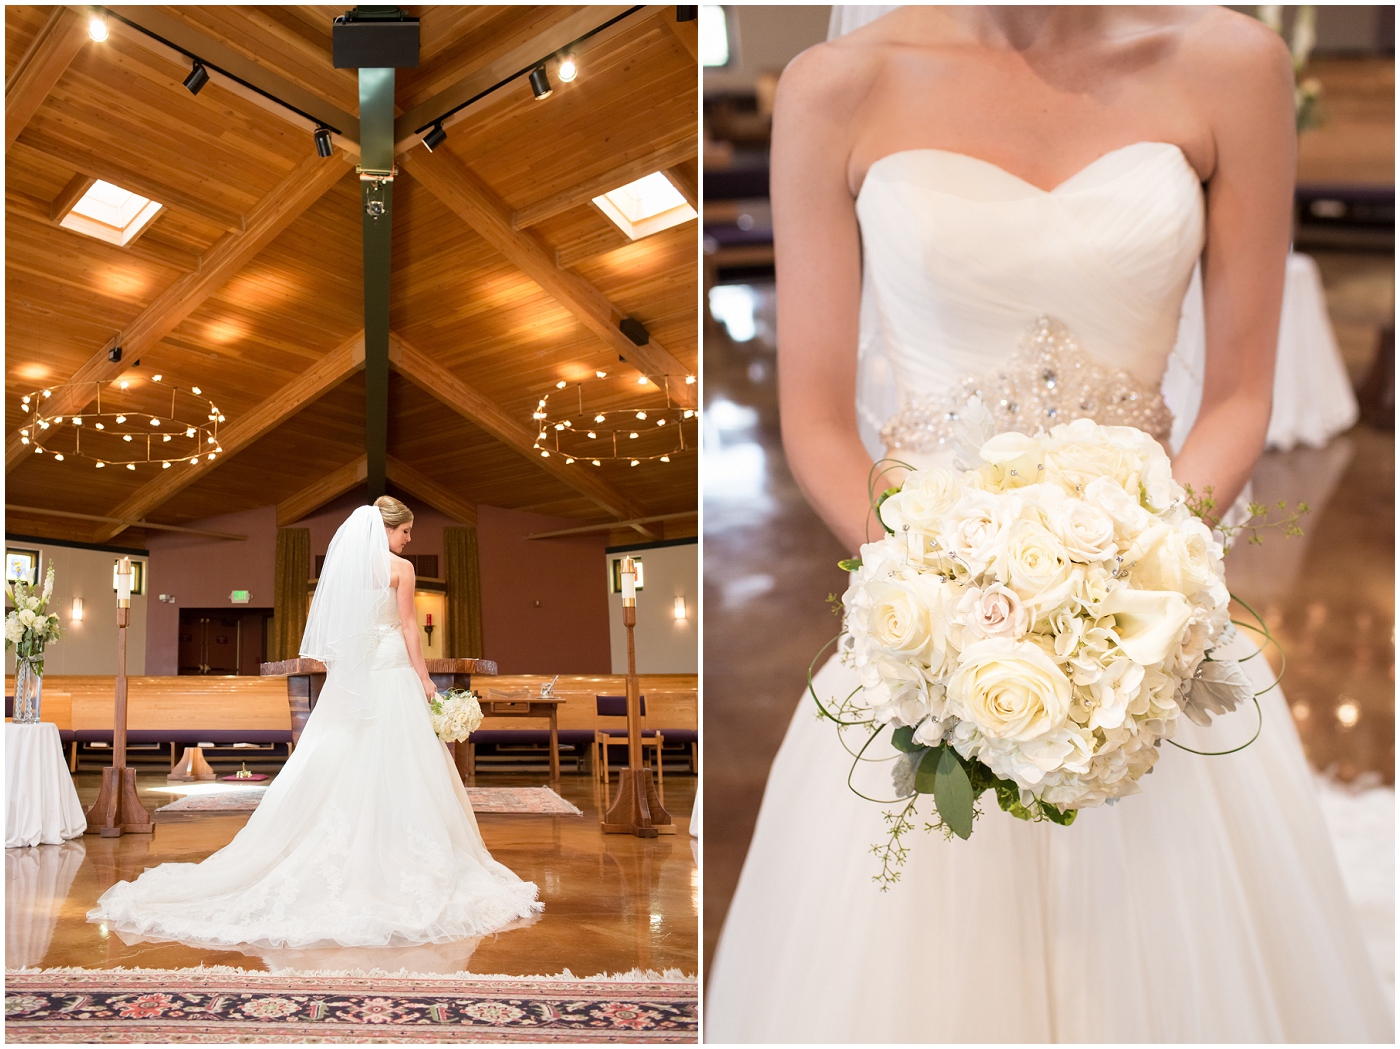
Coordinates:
1147 623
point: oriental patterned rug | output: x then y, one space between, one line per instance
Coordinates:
243 800
223 1004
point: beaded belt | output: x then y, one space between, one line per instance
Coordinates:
1050 380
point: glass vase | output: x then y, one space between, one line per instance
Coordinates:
29 682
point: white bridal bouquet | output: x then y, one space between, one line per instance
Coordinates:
455 715
1034 622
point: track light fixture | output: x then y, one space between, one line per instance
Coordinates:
568 67
435 137
322 135
97 26
539 83
199 76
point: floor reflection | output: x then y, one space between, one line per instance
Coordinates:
1328 596
612 902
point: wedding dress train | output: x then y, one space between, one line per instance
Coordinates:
1207 908
366 838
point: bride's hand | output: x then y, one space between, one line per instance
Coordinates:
429 689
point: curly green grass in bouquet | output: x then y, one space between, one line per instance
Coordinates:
1034 622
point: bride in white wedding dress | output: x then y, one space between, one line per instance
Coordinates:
941 178
366 837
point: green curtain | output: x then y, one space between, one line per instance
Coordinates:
289 604
463 593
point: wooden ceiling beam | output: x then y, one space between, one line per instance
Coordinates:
685 184
497 68
320 491
630 167
475 203
435 495
471 404
48 57
324 375
211 50
96 165
306 184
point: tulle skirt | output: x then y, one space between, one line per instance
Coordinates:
365 839
1208 908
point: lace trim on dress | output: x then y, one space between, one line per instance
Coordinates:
1050 380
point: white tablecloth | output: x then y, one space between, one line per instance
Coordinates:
41 805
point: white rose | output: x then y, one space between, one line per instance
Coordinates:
1078 454
905 618
26 617
1036 566
1009 690
993 612
1088 534
977 528
1148 624
1179 559
1130 520
926 496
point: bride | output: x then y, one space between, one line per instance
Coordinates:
366 837
942 177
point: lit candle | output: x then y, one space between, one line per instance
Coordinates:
124 581
629 580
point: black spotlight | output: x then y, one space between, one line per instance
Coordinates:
435 137
539 83
322 135
115 354
199 76
687 14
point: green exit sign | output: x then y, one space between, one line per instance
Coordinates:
238 597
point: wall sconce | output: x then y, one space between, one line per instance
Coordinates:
77 616
680 608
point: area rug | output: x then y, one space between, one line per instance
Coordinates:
240 801
223 1004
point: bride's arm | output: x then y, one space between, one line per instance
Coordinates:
406 580
1242 77
818 263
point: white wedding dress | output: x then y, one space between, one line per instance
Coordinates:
366 838
1207 908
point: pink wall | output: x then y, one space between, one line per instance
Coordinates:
566 633
200 573
544 602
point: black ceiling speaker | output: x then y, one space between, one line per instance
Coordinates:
633 330
322 135
372 37
115 354
199 76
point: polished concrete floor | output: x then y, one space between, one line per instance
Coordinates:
770 564
612 902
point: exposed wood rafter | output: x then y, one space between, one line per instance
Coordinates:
471 404
473 201
321 377
51 53
432 493
320 491
687 185
628 169
38 511
306 184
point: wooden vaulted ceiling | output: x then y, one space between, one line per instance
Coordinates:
248 284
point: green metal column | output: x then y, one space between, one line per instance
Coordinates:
377 196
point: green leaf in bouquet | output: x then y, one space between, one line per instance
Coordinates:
881 502
952 793
903 739
850 564
928 767
1009 799
1054 815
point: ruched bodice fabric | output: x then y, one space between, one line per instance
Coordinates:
961 257
390 651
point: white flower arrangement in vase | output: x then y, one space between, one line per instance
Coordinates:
29 628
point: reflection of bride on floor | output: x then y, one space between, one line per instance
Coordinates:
366 838
1061 173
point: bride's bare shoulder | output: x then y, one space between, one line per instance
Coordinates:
400 566
1217 42
830 80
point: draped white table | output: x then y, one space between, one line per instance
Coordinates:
41 805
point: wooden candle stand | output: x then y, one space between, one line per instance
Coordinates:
638 809
118 809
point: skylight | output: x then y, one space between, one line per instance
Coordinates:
110 213
645 206
714 36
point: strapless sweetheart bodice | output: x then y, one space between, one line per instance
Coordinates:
961 258
390 652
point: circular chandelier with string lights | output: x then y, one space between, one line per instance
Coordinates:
123 429
635 435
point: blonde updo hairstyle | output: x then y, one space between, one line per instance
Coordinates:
393 512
